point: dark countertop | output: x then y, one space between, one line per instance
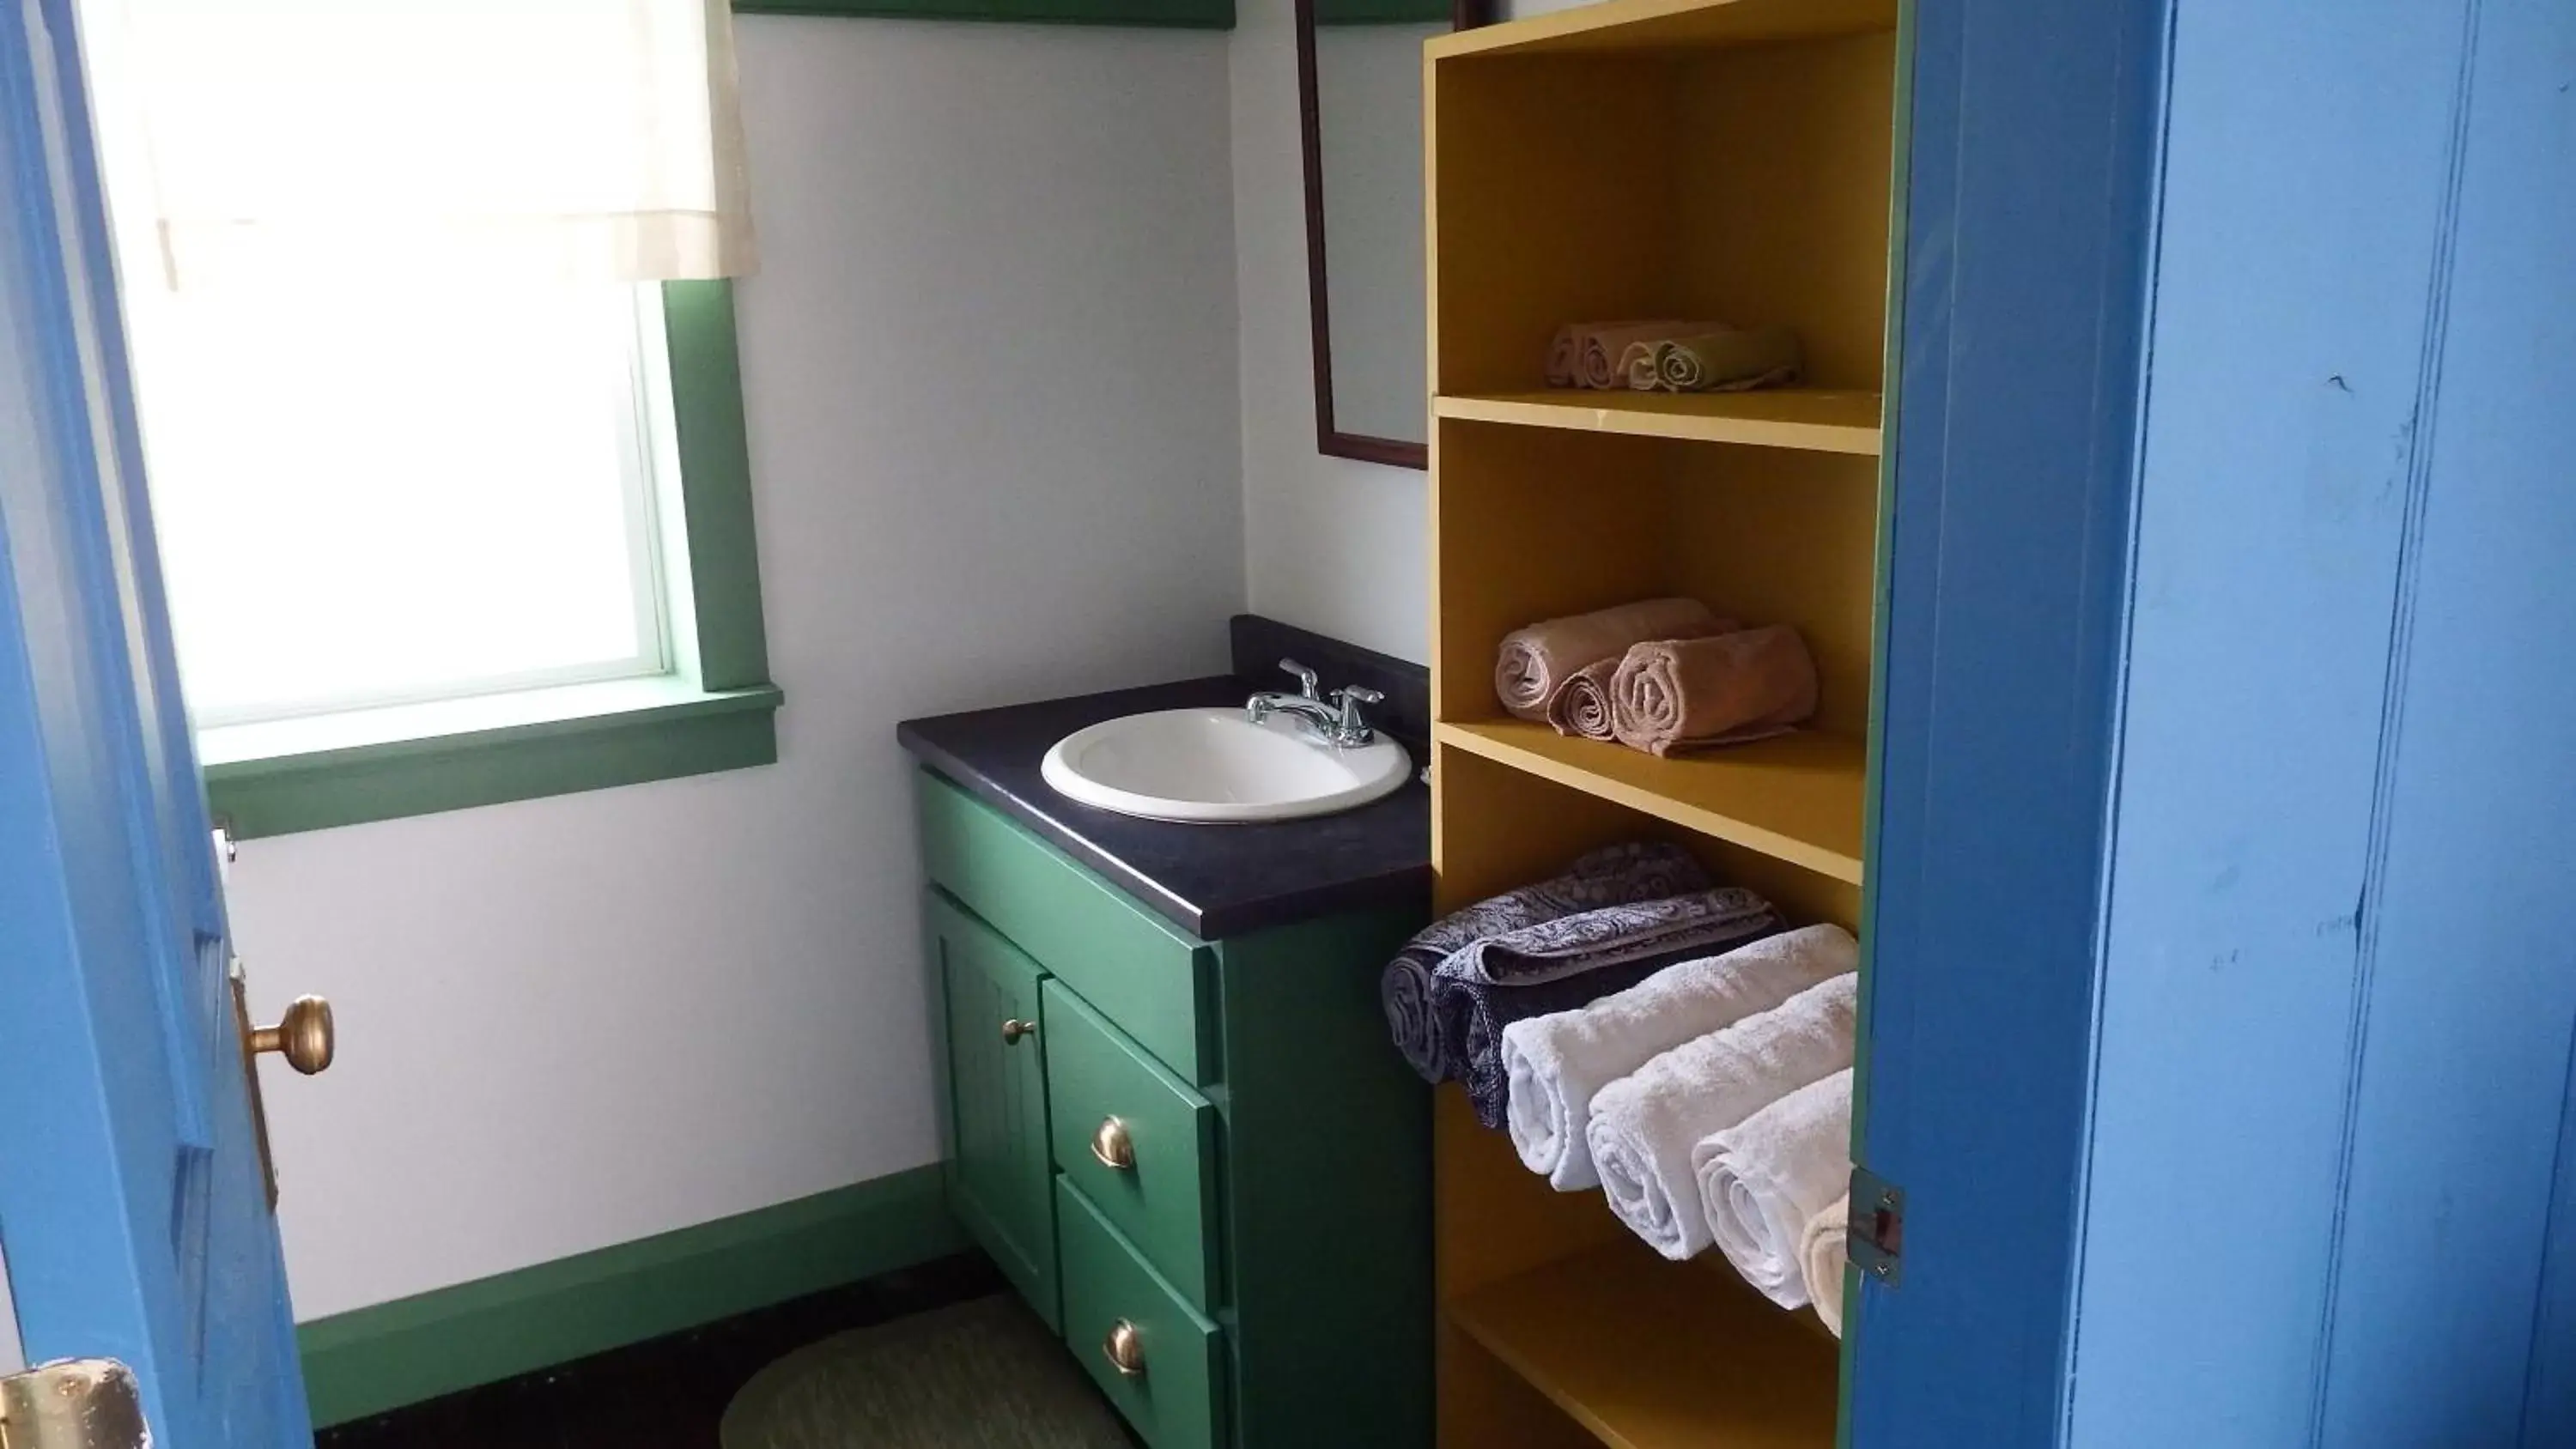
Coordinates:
1213 881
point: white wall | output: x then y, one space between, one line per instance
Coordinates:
990 369
12 1357
1336 546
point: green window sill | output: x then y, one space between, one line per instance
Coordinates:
384 764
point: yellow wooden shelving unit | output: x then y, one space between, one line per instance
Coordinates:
1637 158
1824 422
1797 798
1615 1339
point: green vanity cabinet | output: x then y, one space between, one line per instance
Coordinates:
1205 1167
1000 1183
1137 1141
1173 1369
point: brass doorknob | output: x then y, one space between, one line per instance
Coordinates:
302 1035
1125 1349
1014 1029
1111 1144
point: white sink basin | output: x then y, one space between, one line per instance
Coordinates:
1213 765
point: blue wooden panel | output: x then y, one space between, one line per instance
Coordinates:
2223 983
2306 157
2335 1021
2469 939
136 1217
2030 187
2549 1410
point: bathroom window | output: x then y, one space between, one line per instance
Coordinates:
403 493
437 391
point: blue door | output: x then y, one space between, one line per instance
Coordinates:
134 1203
2223 1009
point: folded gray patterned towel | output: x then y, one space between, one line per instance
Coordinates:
1612 875
1609 936
1572 962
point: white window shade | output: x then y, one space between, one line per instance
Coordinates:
534 140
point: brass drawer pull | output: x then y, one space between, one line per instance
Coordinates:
1125 1349
1113 1147
1014 1029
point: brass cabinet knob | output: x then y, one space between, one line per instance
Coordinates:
1125 1349
1014 1029
302 1036
1111 1144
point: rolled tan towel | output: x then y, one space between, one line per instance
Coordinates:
1728 360
1565 355
1606 344
1581 706
1725 689
1641 366
1822 1251
1535 662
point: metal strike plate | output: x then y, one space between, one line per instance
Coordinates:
1877 1240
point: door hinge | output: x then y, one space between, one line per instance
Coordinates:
82 1403
1876 1244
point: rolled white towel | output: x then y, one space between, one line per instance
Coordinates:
1644 1125
1762 1180
1822 1251
1556 1063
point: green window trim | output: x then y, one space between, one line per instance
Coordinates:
1385 12
717 712
715 484
1174 14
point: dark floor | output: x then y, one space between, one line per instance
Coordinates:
667 1393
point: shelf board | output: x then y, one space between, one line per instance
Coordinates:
1814 420
1797 797
1668 25
1654 1355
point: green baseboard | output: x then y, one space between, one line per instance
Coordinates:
374 1359
1177 14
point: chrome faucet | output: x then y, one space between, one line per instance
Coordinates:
1335 720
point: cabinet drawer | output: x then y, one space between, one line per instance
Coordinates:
1172 1397
1138 1141
1144 974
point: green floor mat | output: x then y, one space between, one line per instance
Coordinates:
981 1375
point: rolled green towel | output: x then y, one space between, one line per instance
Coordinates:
1728 360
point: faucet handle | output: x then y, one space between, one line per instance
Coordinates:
1351 730
1306 678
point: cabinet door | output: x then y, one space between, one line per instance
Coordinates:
997 1106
